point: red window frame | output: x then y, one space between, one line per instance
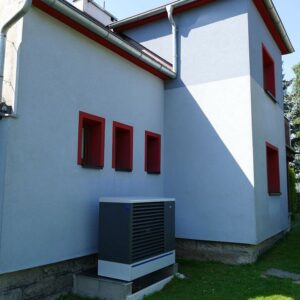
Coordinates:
91 140
268 72
273 170
152 152
122 147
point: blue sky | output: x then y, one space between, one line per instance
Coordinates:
289 11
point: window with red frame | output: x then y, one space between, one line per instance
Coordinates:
269 72
122 149
273 169
91 131
152 152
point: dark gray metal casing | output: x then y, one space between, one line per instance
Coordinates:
131 232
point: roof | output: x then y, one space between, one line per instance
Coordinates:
265 8
91 28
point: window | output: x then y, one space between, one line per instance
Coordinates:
91 131
122 149
269 73
152 152
273 169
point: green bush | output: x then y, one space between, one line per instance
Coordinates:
293 192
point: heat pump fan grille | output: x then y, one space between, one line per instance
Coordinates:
147 230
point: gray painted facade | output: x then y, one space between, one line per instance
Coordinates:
212 121
223 42
271 211
50 204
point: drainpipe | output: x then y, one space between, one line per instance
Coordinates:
3 32
170 9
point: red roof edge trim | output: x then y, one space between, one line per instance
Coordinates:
160 16
261 7
263 11
91 35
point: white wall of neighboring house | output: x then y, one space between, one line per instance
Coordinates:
50 204
93 9
13 42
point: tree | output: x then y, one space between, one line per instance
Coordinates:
291 90
296 83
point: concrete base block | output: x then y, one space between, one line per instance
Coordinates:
100 287
44 282
228 253
156 287
90 285
15 294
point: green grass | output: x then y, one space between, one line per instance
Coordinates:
216 281
75 297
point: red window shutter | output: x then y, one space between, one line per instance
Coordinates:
91 136
268 72
152 152
122 148
273 169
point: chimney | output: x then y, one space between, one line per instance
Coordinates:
94 10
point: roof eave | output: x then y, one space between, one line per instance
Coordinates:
279 24
74 18
159 13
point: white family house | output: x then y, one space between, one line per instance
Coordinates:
182 101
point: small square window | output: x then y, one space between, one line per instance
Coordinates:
269 72
273 169
122 148
152 152
91 131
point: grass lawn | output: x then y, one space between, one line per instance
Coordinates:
215 281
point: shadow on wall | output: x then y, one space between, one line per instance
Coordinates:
215 199
214 189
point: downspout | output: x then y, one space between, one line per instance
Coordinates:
3 32
170 9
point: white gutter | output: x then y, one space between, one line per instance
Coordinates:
72 13
278 23
3 32
170 9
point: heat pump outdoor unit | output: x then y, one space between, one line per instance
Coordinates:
136 236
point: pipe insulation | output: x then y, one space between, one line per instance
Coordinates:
24 8
170 9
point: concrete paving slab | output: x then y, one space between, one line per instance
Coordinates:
282 274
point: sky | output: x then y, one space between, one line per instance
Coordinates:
289 11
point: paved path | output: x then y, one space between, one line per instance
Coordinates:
282 275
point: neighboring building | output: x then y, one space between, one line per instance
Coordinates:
97 112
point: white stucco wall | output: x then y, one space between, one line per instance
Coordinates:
209 160
214 89
50 204
212 119
208 122
268 126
